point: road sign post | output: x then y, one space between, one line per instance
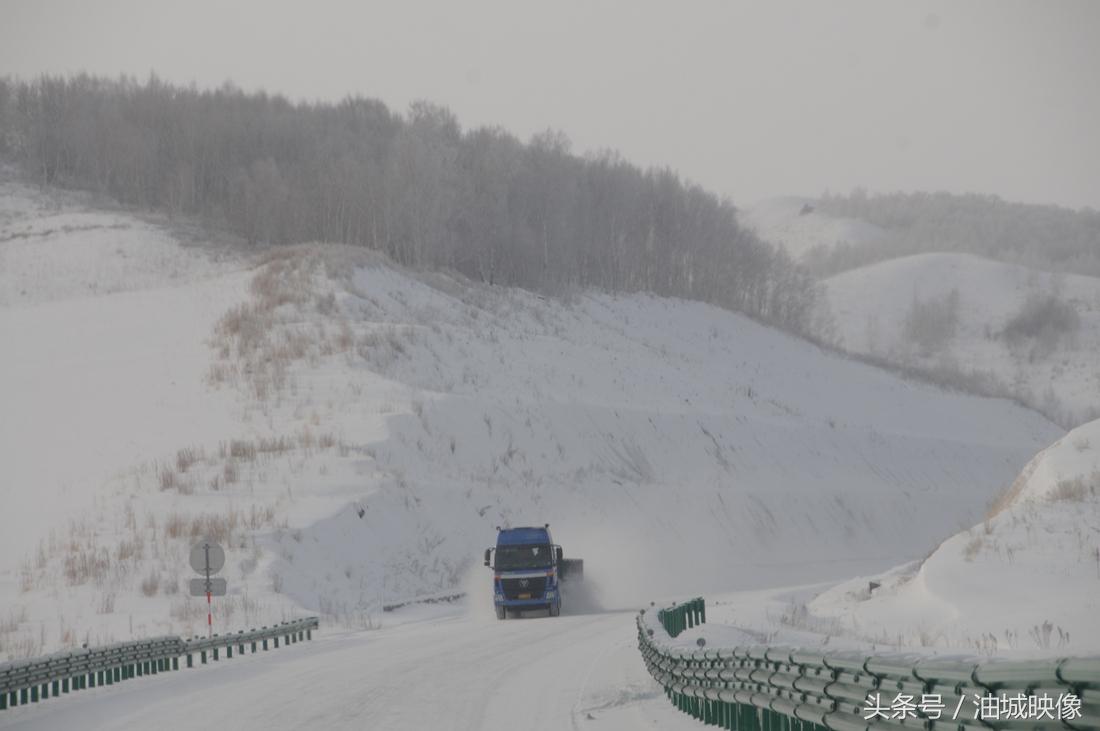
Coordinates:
208 558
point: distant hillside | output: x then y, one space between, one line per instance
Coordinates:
800 228
1030 333
1041 237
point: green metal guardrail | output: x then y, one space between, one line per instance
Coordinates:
677 618
29 681
765 688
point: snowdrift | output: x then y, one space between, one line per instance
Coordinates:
1024 580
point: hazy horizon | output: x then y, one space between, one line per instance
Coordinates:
750 101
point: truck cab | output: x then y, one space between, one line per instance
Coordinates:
527 570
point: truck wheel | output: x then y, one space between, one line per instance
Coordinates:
501 612
555 609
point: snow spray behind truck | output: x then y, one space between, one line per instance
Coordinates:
529 571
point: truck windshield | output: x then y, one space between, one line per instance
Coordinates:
510 558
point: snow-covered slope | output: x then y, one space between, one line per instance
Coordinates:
1027 578
795 224
352 432
870 306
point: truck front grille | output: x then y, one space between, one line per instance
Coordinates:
534 587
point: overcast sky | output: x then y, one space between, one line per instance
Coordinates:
752 100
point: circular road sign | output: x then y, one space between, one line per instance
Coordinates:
199 553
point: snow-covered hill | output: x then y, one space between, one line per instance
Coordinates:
1027 578
799 227
1057 371
353 431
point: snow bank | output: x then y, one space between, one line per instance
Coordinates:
1023 581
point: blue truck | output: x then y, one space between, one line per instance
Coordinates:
529 570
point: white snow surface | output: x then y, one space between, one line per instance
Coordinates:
353 432
1025 581
788 222
453 672
870 305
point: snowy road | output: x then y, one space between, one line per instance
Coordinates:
456 672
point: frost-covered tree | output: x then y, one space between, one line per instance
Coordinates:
416 186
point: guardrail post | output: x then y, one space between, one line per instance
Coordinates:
203 656
309 634
265 644
175 663
190 660
229 652
3 701
34 694
215 654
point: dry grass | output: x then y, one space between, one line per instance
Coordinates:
85 565
257 342
167 477
150 585
131 549
973 548
23 647
1008 497
239 449
175 525
10 622
106 604
221 527
1076 490
258 334
185 458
